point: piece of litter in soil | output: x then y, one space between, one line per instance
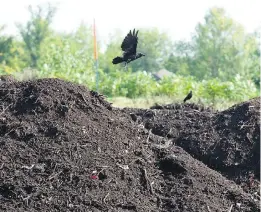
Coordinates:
238 205
125 167
94 177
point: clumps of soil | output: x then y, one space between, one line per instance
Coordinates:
226 141
64 148
6 79
237 153
187 183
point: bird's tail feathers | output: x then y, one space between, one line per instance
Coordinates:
117 60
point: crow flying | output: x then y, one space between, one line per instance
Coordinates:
188 96
129 46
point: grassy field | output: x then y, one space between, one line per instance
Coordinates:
146 102
201 98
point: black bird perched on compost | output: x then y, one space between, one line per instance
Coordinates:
129 47
188 96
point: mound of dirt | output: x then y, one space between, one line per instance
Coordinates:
238 149
64 148
226 141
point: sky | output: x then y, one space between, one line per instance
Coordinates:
178 18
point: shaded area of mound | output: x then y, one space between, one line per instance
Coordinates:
64 148
226 141
239 124
187 183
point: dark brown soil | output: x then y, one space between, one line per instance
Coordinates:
227 141
64 148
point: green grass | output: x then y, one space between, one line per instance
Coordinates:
146 102
201 94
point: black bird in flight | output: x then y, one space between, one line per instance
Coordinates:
188 96
129 47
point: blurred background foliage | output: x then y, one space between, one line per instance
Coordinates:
221 62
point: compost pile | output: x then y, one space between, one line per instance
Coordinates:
227 141
65 148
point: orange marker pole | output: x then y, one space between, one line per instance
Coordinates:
95 41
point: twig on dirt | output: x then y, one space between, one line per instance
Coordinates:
148 180
147 141
255 194
170 130
125 167
4 109
2 166
13 129
246 125
28 167
103 167
248 138
230 209
26 199
97 105
84 99
208 208
104 199
162 146
194 110
54 175
238 205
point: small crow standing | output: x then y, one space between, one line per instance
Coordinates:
188 96
129 47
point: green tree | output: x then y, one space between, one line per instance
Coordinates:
112 50
69 56
180 60
154 44
5 48
36 31
11 54
222 48
254 58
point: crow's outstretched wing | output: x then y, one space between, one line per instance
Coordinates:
129 44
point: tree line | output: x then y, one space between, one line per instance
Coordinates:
220 50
